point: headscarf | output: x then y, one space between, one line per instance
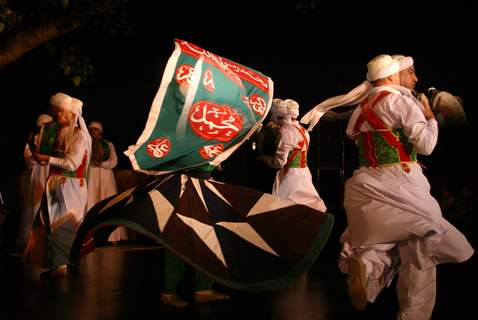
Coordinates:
354 97
74 105
77 108
379 67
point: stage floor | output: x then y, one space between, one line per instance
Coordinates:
124 282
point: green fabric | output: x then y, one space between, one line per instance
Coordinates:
204 168
296 161
174 272
48 135
383 151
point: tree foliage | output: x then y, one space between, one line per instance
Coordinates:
29 24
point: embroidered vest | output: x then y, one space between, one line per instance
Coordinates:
79 173
382 146
298 156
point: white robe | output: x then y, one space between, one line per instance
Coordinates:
388 207
54 229
34 181
102 184
293 183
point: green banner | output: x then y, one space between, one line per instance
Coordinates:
205 108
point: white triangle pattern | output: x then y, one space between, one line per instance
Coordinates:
211 187
269 202
197 186
162 207
246 232
207 234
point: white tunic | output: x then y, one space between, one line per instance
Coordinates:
293 183
386 206
102 184
68 195
55 228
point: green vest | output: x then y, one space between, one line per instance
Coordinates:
375 150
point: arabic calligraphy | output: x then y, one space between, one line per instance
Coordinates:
208 81
257 104
231 69
211 151
213 121
159 147
184 74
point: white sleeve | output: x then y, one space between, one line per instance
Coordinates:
422 133
73 156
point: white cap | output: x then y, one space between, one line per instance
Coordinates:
43 118
61 100
405 62
97 125
381 67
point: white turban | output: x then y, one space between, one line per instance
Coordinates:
276 101
76 106
97 125
381 67
280 107
61 100
405 62
43 118
292 108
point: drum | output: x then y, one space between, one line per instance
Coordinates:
266 140
100 151
47 138
448 109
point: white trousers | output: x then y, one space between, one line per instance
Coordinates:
416 291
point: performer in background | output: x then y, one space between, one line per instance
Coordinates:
34 183
393 222
101 179
64 200
293 180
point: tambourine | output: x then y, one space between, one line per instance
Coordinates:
448 108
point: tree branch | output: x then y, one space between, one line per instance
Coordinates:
29 39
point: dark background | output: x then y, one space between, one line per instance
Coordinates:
310 55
